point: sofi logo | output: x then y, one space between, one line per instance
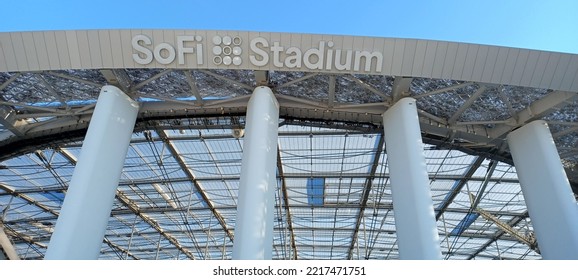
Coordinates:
228 50
165 53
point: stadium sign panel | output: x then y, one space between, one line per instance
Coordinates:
271 51
192 51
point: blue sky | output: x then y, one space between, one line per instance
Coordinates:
533 24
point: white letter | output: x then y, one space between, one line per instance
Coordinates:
338 64
294 60
368 60
199 54
263 54
148 55
329 59
317 52
181 47
164 60
276 49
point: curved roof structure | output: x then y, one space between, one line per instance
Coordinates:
178 190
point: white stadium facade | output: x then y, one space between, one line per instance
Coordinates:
185 144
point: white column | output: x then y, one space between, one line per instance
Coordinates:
81 226
417 234
256 201
546 190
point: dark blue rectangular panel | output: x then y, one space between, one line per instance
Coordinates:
315 191
464 224
54 196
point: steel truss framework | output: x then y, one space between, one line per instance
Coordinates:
178 191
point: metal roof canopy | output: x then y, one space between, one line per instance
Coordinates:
177 196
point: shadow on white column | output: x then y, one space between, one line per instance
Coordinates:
256 202
546 190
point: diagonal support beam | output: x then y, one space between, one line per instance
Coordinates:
286 202
27 239
458 187
45 209
442 90
529 240
363 84
52 91
193 85
564 132
234 82
75 79
308 76
452 120
134 208
191 176
154 77
366 191
8 120
28 199
120 249
536 110
10 80
489 173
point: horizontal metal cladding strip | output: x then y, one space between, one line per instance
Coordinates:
203 49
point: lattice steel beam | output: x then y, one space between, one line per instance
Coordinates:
512 223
